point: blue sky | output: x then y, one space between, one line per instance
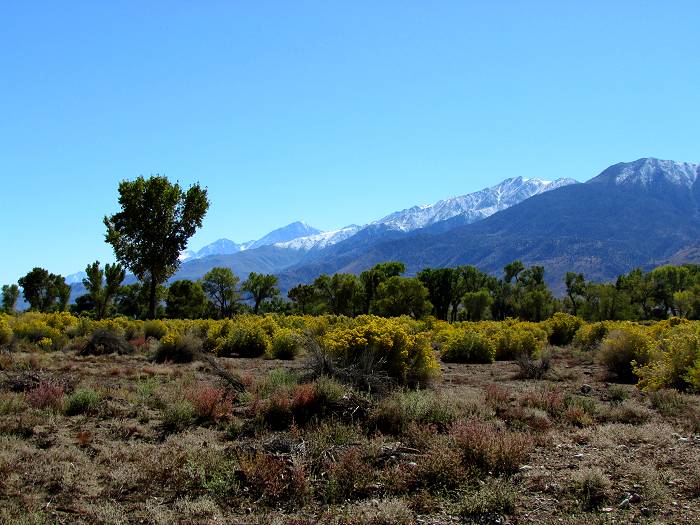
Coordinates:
330 112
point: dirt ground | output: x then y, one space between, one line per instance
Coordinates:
592 451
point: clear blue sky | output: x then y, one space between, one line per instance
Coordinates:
330 112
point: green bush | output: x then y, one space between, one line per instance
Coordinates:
286 344
468 346
513 340
395 413
178 416
623 347
562 328
5 332
493 499
154 329
82 401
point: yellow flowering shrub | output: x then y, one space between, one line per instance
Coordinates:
590 335
514 339
468 346
404 354
625 345
674 362
32 327
561 328
5 331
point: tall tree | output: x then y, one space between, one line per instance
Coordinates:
186 300
44 291
372 278
575 290
220 285
439 283
10 294
260 287
302 295
341 293
102 285
155 222
401 296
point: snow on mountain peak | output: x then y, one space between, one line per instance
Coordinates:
650 171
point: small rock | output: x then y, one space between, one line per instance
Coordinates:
586 389
645 511
412 464
578 456
624 504
635 498
525 467
606 509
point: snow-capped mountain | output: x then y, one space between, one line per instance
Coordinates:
321 240
474 206
287 233
650 172
75 278
227 247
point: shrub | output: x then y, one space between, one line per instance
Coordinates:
668 402
104 341
562 328
47 394
512 340
5 332
621 348
286 344
178 416
177 348
489 502
33 327
348 476
675 363
245 338
395 413
490 449
440 467
551 400
154 329
379 344
468 346
533 368
209 403
272 479
82 401
617 394
589 336
590 485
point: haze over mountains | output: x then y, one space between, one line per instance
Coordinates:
636 214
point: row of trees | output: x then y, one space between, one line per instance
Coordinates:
461 293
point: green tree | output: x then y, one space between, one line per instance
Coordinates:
155 222
186 300
45 291
476 304
439 283
302 295
10 294
575 290
372 278
341 293
401 296
261 287
221 286
132 300
512 271
102 285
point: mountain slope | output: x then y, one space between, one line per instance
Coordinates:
632 214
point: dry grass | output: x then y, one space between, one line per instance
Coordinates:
119 439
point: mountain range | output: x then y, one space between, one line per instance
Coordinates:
635 214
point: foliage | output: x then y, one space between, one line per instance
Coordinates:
5 331
82 401
220 285
399 296
176 347
562 328
392 345
468 346
287 343
623 346
674 363
246 337
260 287
154 329
102 294
394 414
155 222
10 294
186 300
44 291
105 341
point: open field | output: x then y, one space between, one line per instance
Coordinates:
120 439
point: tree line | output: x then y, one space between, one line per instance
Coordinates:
158 217
463 293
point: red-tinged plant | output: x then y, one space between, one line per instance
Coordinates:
47 394
209 403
